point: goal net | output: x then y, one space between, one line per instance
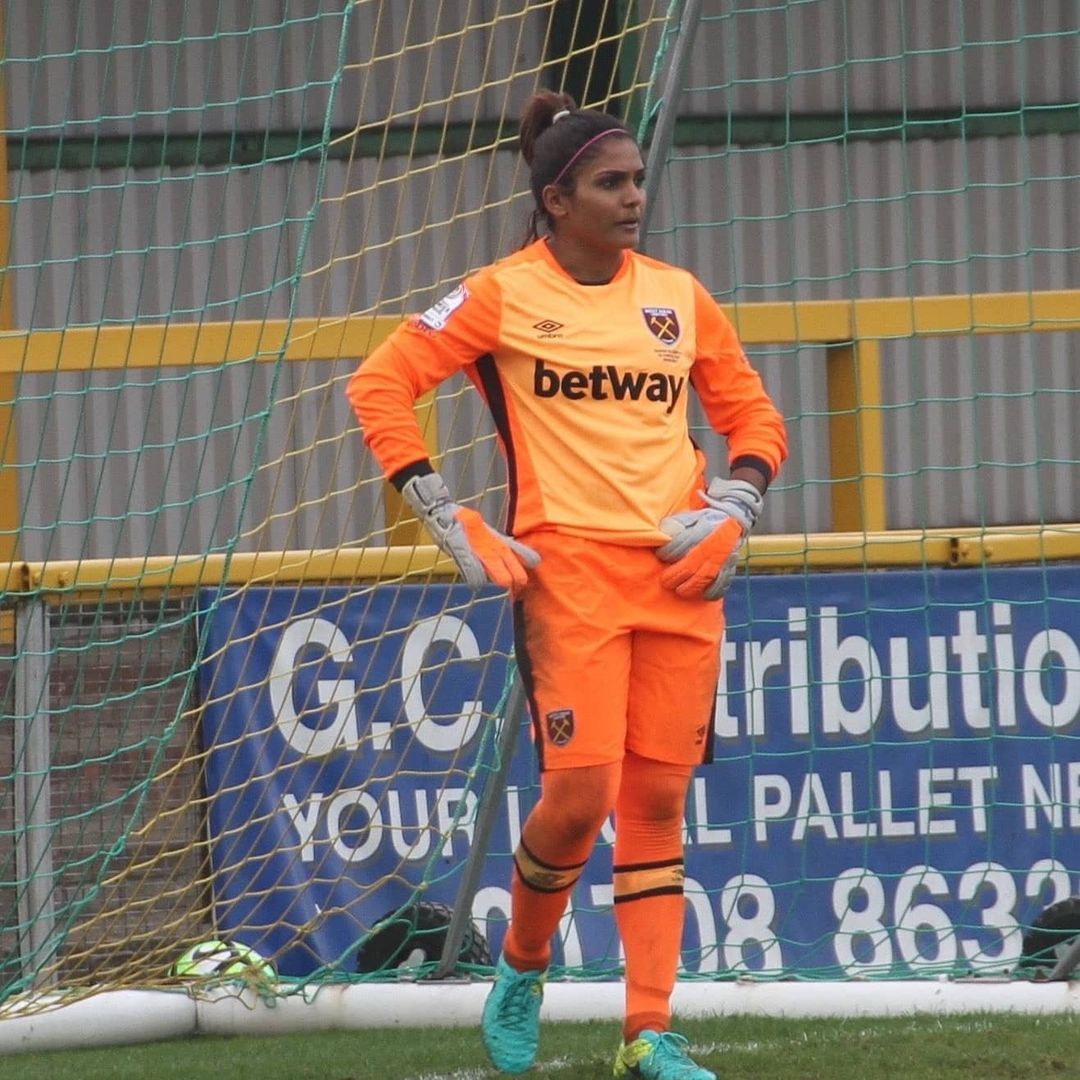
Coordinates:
244 699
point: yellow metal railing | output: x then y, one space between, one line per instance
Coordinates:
782 552
850 331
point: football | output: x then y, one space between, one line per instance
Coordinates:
222 959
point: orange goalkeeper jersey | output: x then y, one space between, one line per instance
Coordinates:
587 385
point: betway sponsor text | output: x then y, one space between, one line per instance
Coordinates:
605 381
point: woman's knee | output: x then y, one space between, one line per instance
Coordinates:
576 802
653 791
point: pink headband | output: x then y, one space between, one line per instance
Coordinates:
585 146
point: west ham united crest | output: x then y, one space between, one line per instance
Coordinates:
663 322
560 726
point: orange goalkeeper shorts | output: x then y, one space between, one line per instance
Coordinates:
611 660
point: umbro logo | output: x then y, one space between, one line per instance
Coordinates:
547 327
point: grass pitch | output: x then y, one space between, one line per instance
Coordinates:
976 1047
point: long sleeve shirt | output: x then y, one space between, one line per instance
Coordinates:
588 388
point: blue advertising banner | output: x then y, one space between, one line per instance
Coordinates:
896 785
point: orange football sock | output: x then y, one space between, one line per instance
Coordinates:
648 879
555 844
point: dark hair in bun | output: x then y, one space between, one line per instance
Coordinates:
555 149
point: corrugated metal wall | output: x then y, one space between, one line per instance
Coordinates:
822 55
121 463
977 429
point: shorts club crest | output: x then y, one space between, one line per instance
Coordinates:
560 726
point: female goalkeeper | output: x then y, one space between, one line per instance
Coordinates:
616 551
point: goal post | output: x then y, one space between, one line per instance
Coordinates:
258 200
244 697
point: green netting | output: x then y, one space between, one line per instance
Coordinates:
239 697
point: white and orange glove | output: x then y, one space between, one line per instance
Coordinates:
704 547
483 555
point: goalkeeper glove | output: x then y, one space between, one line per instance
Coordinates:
482 555
704 547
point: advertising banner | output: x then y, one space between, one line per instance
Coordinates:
896 783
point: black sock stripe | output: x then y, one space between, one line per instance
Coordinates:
624 868
665 890
549 866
